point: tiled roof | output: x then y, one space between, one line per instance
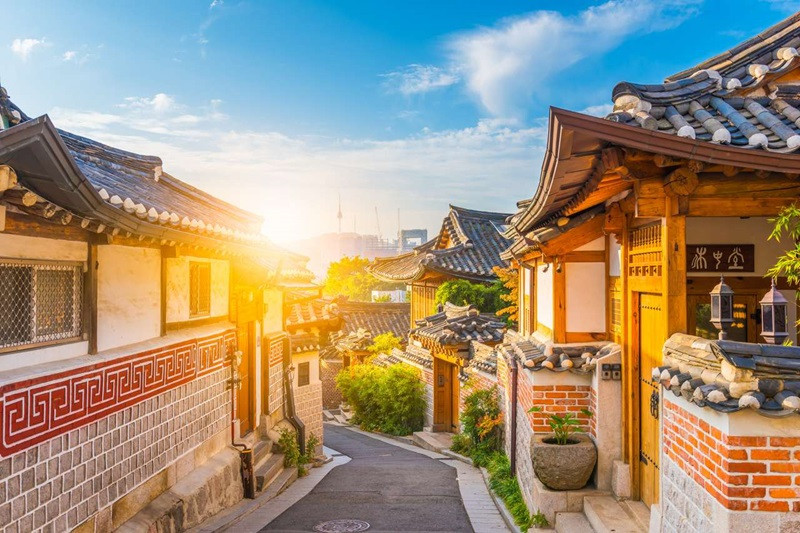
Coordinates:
310 312
732 376
458 325
377 318
149 201
353 341
535 355
468 246
735 98
483 358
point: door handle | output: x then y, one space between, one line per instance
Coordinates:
654 400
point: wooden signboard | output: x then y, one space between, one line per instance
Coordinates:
720 258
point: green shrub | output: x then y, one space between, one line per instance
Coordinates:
291 451
505 485
391 400
482 426
384 343
461 292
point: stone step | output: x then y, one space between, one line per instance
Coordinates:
268 471
639 511
341 419
327 416
606 515
573 523
435 442
261 452
281 482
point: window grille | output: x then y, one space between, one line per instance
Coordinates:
303 374
199 289
40 303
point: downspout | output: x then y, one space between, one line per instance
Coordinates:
291 411
245 452
513 452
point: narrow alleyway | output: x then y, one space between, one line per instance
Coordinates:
386 486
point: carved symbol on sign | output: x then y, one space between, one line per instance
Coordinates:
718 257
736 257
699 261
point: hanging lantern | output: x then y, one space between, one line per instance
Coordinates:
774 316
722 307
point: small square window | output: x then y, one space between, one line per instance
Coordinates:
303 374
199 289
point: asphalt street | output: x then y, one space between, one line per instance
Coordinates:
388 487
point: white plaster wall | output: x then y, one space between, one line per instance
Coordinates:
128 295
735 230
312 358
37 356
273 311
596 245
22 247
544 296
178 288
614 257
586 297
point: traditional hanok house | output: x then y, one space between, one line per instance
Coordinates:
635 218
360 323
136 318
467 247
447 339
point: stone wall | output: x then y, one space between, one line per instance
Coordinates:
427 378
724 472
55 477
308 402
331 397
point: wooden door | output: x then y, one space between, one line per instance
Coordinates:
444 406
651 341
244 400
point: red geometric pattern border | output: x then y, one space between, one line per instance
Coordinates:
35 410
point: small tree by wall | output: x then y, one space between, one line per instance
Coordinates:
487 298
349 277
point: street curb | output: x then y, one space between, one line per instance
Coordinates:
500 504
458 456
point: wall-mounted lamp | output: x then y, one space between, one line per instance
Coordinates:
774 313
722 307
546 267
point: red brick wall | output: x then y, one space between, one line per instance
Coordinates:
558 399
742 473
477 381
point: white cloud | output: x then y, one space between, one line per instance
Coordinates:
415 79
600 110
789 6
287 179
23 47
69 55
160 103
504 65
215 3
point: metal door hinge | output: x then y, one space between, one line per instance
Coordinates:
654 399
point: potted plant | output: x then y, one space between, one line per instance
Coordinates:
565 458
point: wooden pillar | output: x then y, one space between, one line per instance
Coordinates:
559 302
673 274
90 295
630 384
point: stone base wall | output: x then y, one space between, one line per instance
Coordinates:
427 378
728 472
62 482
129 418
308 402
328 369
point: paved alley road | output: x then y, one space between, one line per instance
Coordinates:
390 488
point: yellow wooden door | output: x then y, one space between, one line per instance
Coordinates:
651 340
442 395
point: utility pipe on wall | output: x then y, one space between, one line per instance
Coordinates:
513 451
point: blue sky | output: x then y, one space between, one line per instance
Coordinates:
279 106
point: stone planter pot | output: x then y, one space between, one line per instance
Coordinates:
563 467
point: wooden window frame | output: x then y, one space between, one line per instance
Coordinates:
303 374
199 268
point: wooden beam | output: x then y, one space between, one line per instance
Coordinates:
584 256
560 304
90 295
574 238
163 290
585 336
673 244
18 224
738 207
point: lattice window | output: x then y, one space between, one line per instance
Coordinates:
644 258
40 302
199 289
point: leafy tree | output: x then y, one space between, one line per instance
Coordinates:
509 279
787 223
384 343
382 299
349 277
487 298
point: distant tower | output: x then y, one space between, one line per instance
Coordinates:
339 215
